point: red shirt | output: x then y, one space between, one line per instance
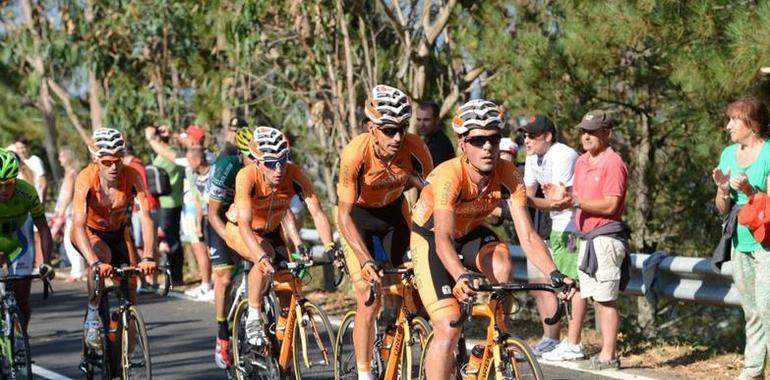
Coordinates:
607 176
137 164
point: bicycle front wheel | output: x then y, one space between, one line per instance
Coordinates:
411 362
251 363
134 346
518 361
21 363
344 355
313 344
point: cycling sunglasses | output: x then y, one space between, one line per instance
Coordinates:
106 162
480 141
392 131
273 164
8 182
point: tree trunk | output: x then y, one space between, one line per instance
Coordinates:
49 141
639 182
94 100
351 96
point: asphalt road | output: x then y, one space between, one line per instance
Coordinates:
181 334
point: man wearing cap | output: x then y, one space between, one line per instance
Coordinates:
598 198
429 128
548 163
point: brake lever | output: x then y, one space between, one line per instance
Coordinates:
374 288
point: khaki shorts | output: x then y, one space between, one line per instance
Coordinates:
605 286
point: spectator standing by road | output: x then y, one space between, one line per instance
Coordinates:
548 163
21 147
62 218
429 128
169 217
598 198
743 170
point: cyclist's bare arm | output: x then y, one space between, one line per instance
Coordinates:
320 220
444 224
247 234
351 234
80 238
46 241
145 219
531 243
215 220
290 229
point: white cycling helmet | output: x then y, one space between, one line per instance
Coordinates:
107 142
477 113
269 144
389 105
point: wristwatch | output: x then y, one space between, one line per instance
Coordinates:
575 203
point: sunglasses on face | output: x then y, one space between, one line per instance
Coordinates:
8 182
480 141
107 162
274 164
392 131
531 136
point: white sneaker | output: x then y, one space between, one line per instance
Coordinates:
194 292
205 296
565 351
545 345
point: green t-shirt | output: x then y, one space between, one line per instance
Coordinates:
14 212
757 174
176 177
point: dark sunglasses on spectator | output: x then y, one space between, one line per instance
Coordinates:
531 136
273 164
480 141
391 131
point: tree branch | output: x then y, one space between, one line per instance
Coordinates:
67 104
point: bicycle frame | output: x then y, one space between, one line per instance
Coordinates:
496 329
405 290
285 282
7 302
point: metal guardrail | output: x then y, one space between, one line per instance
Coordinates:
688 279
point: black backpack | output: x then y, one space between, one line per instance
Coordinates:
158 182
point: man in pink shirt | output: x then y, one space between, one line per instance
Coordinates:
598 197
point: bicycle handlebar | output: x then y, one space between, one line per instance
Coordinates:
47 287
127 272
564 307
374 287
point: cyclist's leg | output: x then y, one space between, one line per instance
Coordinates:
22 264
483 251
125 253
434 285
103 252
222 263
276 241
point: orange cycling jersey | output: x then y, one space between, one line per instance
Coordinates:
268 205
450 188
367 181
102 213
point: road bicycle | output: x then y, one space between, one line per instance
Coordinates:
503 355
15 356
398 348
300 336
124 350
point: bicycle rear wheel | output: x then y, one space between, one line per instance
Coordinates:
314 358
21 365
134 346
411 367
518 361
249 362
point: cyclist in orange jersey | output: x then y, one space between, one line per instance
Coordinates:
376 168
105 191
263 191
449 238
